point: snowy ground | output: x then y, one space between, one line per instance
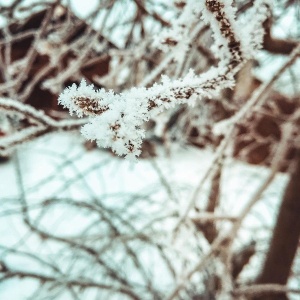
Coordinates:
58 167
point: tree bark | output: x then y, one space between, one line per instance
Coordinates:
284 243
276 46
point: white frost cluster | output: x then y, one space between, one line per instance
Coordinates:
248 29
251 23
178 35
220 47
116 120
85 91
119 126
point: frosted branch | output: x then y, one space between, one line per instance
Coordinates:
116 119
40 124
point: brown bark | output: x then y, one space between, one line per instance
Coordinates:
209 229
276 46
284 243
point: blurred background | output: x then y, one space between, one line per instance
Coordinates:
192 219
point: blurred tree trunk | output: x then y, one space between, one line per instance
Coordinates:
284 243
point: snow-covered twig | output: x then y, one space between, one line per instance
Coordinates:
116 119
41 124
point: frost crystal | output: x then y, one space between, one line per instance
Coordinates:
115 120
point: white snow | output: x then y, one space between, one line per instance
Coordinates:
161 187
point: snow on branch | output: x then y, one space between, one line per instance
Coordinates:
116 119
40 124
